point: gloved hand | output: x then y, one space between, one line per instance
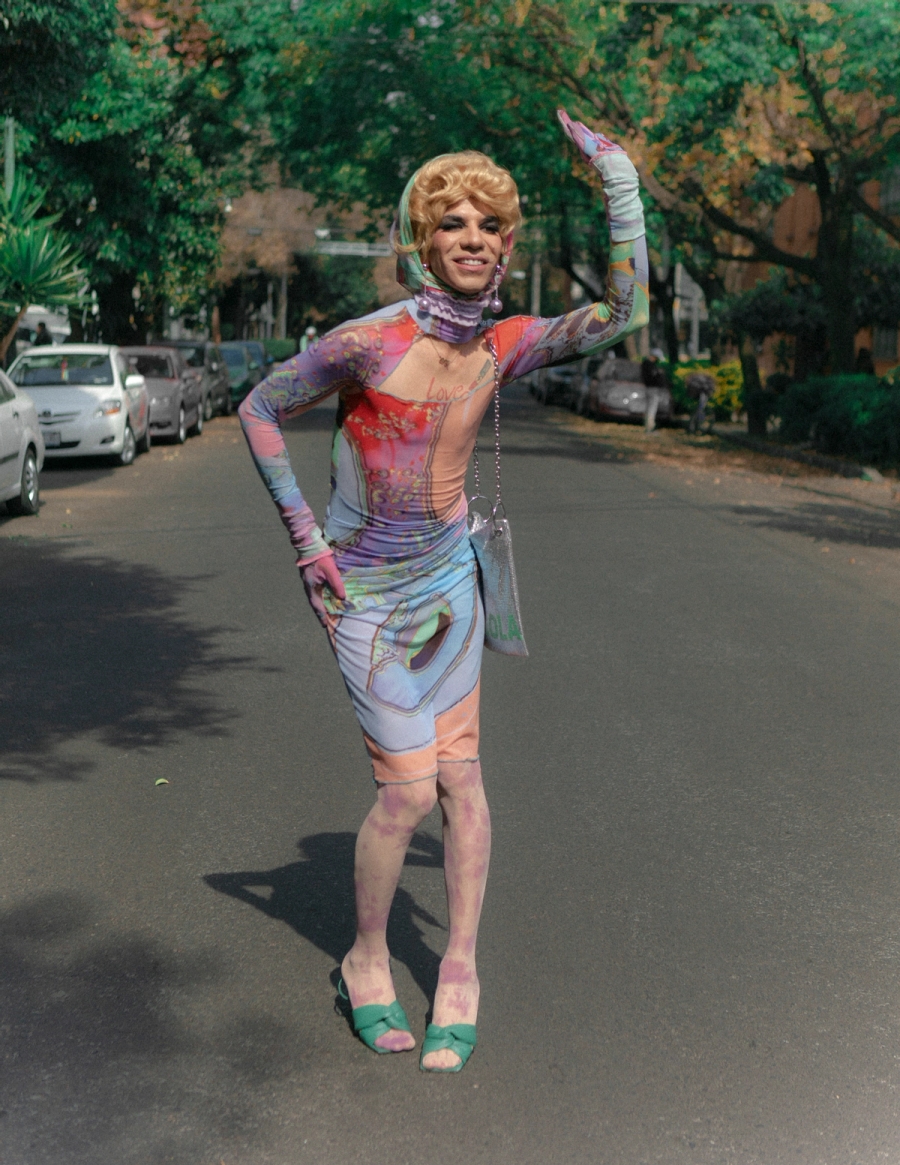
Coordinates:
621 188
590 143
323 572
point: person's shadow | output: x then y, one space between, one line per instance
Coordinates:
315 897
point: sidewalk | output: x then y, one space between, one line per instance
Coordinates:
730 451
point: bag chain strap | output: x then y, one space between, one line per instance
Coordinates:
499 501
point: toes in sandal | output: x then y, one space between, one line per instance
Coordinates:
375 1020
457 1037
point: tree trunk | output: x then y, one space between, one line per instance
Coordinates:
834 259
754 397
11 334
120 320
810 353
663 291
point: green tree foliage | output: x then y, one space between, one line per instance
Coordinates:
724 109
157 130
326 290
47 48
37 263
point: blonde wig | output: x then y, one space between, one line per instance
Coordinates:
447 180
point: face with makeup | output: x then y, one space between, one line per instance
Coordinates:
466 247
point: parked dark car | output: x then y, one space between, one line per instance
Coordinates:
244 371
560 385
176 408
263 358
205 361
617 393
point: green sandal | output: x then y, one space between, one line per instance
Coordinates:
458 1037
375 1020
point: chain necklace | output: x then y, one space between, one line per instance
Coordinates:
446 362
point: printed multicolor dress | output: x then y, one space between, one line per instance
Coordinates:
408 638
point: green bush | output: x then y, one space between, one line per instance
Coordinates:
849 416
281 350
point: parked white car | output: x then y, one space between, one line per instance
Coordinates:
21 450
87 401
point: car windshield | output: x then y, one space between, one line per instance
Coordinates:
32 370
236 357
193 356
153 366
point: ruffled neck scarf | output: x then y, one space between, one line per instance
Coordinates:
450 315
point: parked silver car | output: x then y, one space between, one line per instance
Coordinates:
21 450
176 407
617 393
87 401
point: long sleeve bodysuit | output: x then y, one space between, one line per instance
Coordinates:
408 637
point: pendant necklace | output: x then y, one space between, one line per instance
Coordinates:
445 361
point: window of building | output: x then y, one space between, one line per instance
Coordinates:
884 344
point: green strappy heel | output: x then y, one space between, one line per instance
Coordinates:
458 1037
375 1020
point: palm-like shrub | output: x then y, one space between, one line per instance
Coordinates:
37 264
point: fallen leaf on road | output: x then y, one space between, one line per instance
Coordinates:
161 781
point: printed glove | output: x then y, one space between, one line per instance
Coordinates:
620 180
323 572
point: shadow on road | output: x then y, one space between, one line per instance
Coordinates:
63 474
852 525
99 1067
94 645
315 898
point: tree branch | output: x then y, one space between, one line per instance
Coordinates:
765 249
885 222
815 91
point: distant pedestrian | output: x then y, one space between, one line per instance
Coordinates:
42 335
700 387
655 382
309 337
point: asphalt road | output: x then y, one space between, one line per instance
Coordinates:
691 941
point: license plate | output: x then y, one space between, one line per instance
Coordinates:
52 439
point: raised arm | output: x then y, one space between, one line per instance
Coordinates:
344 356
525 343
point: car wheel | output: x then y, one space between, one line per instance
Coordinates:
197 428
143 446
29 499
129 448
227 406
181 431
207 408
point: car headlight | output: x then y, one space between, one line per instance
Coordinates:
109 408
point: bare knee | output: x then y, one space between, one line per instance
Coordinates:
458 778
412 801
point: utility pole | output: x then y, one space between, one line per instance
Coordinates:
282 307
536 261
9 156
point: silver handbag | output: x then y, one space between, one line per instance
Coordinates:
492 542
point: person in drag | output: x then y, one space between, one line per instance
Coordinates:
391 574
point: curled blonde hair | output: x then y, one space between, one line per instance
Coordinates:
449 179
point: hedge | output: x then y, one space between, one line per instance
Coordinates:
851 416
729 395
